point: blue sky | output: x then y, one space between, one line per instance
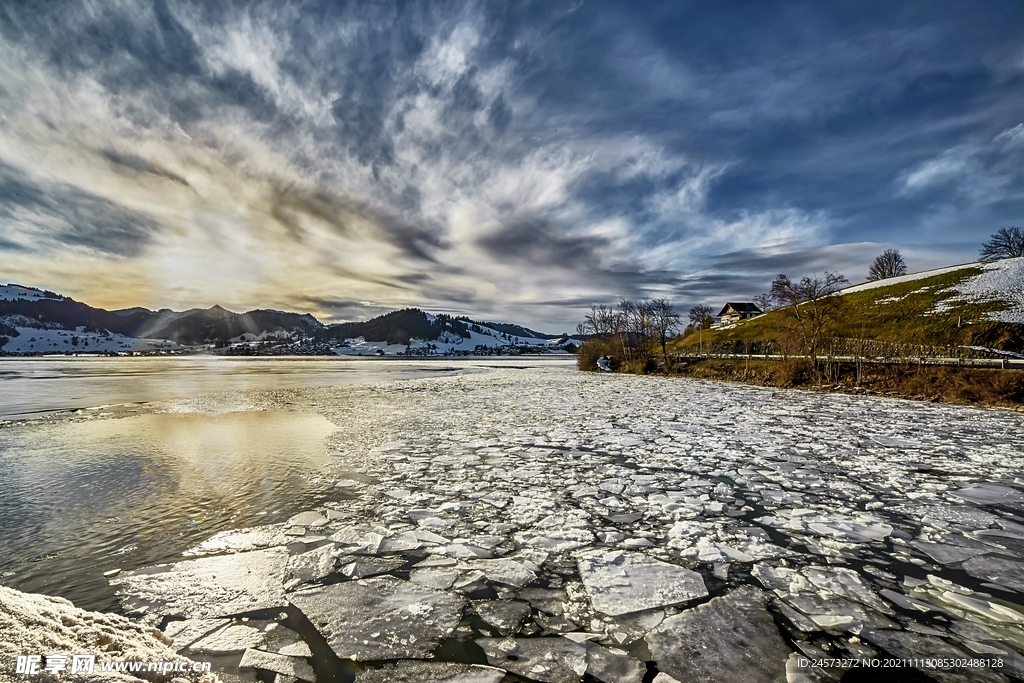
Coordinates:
503 160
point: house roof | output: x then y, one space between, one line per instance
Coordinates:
740 307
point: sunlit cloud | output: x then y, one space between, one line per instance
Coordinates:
345 161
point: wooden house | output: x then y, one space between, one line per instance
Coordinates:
734 311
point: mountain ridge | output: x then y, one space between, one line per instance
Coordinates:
23 307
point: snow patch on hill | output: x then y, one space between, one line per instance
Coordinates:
35 340
361 347
906 278
448 343
277 335
12 292
1001 281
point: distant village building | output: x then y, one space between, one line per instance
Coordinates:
735 311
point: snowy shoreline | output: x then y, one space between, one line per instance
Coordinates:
40 625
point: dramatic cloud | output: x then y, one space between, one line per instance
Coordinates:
514 162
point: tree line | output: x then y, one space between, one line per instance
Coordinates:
631 332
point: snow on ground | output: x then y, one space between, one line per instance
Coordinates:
41 625
249 337
1000 281
14 292
34 340
361 347
906 278
995 351
575 524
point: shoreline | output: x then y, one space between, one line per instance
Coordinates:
978 387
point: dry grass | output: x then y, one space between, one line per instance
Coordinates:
973 386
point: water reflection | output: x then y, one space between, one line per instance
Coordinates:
30 387
80 498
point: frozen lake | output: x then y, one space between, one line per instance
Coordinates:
142 468
543 524
30 387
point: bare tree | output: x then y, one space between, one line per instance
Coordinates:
634 327
601 321
625 311
766 302
810 304
666 322
702 316
1005 243
644 329
888 264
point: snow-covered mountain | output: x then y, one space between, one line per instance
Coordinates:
37 321
469 338
412 332
14 292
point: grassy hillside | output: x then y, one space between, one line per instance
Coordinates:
973 305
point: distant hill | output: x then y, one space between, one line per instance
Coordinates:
27 307
37 321
412 327
970 305
396 327
217 324
519 330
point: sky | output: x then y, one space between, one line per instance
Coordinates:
513 161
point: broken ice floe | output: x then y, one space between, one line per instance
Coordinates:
241 540
431 672
612 665
296 667
566 532
360 568
184 632
312 565
380 618
729 638
207 586
230 639
1005 571
550 660
505 616
948 553
620 582
989 494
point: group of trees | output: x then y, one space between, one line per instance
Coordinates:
636 330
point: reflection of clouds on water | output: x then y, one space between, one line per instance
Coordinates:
88 490
35 386
233 452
